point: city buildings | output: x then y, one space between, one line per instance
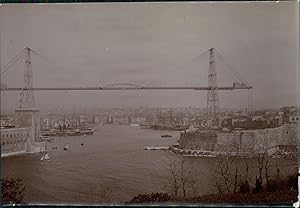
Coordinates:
24 137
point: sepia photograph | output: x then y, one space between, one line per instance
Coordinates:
140 103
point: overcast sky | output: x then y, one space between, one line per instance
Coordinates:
152 44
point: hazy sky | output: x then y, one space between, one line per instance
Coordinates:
152 44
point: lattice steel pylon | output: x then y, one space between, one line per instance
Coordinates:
27 96
212 93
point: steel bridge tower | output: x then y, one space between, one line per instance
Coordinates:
212 93
27 96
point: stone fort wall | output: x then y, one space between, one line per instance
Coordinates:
245 140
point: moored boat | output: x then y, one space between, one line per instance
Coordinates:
166 135
134 124
157 148
88 131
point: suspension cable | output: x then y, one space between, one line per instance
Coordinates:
12 61
197 57
228 66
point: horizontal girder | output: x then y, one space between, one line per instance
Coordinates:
124 88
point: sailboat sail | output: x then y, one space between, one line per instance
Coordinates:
66 147
45 157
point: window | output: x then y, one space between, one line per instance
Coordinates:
297 119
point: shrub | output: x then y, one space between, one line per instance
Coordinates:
12 191
258 185
292 182
273 185
288 183
153 197
245 187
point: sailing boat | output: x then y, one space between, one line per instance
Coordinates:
66 147
82 140
45 157
64 132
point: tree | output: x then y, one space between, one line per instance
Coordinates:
244 184
192 181
173 183
223 180
264 147
226 179
183 180
12 190
183 177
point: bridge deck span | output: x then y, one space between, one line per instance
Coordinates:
124 88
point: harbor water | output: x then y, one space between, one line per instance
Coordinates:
111 165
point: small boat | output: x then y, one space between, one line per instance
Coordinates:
88 131
45 138
45 157
134 124
187 155
166 135
66 147
156 148
143 126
